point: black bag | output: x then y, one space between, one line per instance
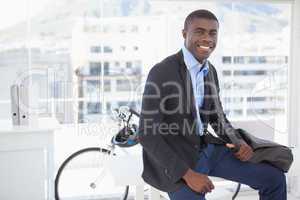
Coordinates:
278 155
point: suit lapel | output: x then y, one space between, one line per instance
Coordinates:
187 85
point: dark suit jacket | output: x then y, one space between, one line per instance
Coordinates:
168 122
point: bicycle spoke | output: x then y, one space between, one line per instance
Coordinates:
85 177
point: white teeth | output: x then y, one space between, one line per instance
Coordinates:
204 47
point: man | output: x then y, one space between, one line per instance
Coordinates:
181 98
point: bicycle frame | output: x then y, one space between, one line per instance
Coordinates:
131 164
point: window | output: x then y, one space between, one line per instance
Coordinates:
226 73
106 65
239 60
252 99
127 103
277 59
248 54
108 107
135 48
249 43
123 85
123 48
122 29
262 59
226 59
257 112
138 63
106 28
237 112
95 68
107 85
106 68
117 63
93 108
128 64
93 87
243 86
252 59
111 43
249 72
95 49
107 49
134 29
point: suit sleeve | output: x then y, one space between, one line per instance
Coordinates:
218 119
151 138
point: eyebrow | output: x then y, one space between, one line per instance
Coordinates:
203 29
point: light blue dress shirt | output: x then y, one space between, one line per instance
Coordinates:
197 73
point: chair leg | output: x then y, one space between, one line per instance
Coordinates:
236 191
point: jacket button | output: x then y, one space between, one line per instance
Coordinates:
167 173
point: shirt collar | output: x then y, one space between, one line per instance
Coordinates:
191 62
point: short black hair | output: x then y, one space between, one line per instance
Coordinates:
204 14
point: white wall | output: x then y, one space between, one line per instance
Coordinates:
294 100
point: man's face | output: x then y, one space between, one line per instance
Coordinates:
201 36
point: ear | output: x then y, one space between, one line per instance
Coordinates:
184 33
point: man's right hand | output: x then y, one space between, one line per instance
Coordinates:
198 182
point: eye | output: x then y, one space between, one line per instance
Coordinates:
199 32
213 34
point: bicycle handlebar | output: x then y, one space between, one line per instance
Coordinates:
134 112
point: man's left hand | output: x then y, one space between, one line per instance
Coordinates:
244 153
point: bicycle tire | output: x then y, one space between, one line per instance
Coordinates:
70 159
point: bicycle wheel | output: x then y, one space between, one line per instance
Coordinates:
83 176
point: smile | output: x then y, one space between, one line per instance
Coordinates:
204 47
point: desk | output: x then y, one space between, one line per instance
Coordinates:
27 162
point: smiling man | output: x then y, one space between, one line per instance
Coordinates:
181 98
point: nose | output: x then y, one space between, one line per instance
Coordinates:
207 38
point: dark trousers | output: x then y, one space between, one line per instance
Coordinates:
268 180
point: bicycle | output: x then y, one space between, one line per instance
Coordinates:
93 160
126 137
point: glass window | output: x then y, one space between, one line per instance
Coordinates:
128 64
93 108
107 49
117 63
262 59
95 49
134 28
226 59
95 68
107 85
123 48
135 48
251 99
123 85
106 65
249 72
226 73
238 59
73 52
